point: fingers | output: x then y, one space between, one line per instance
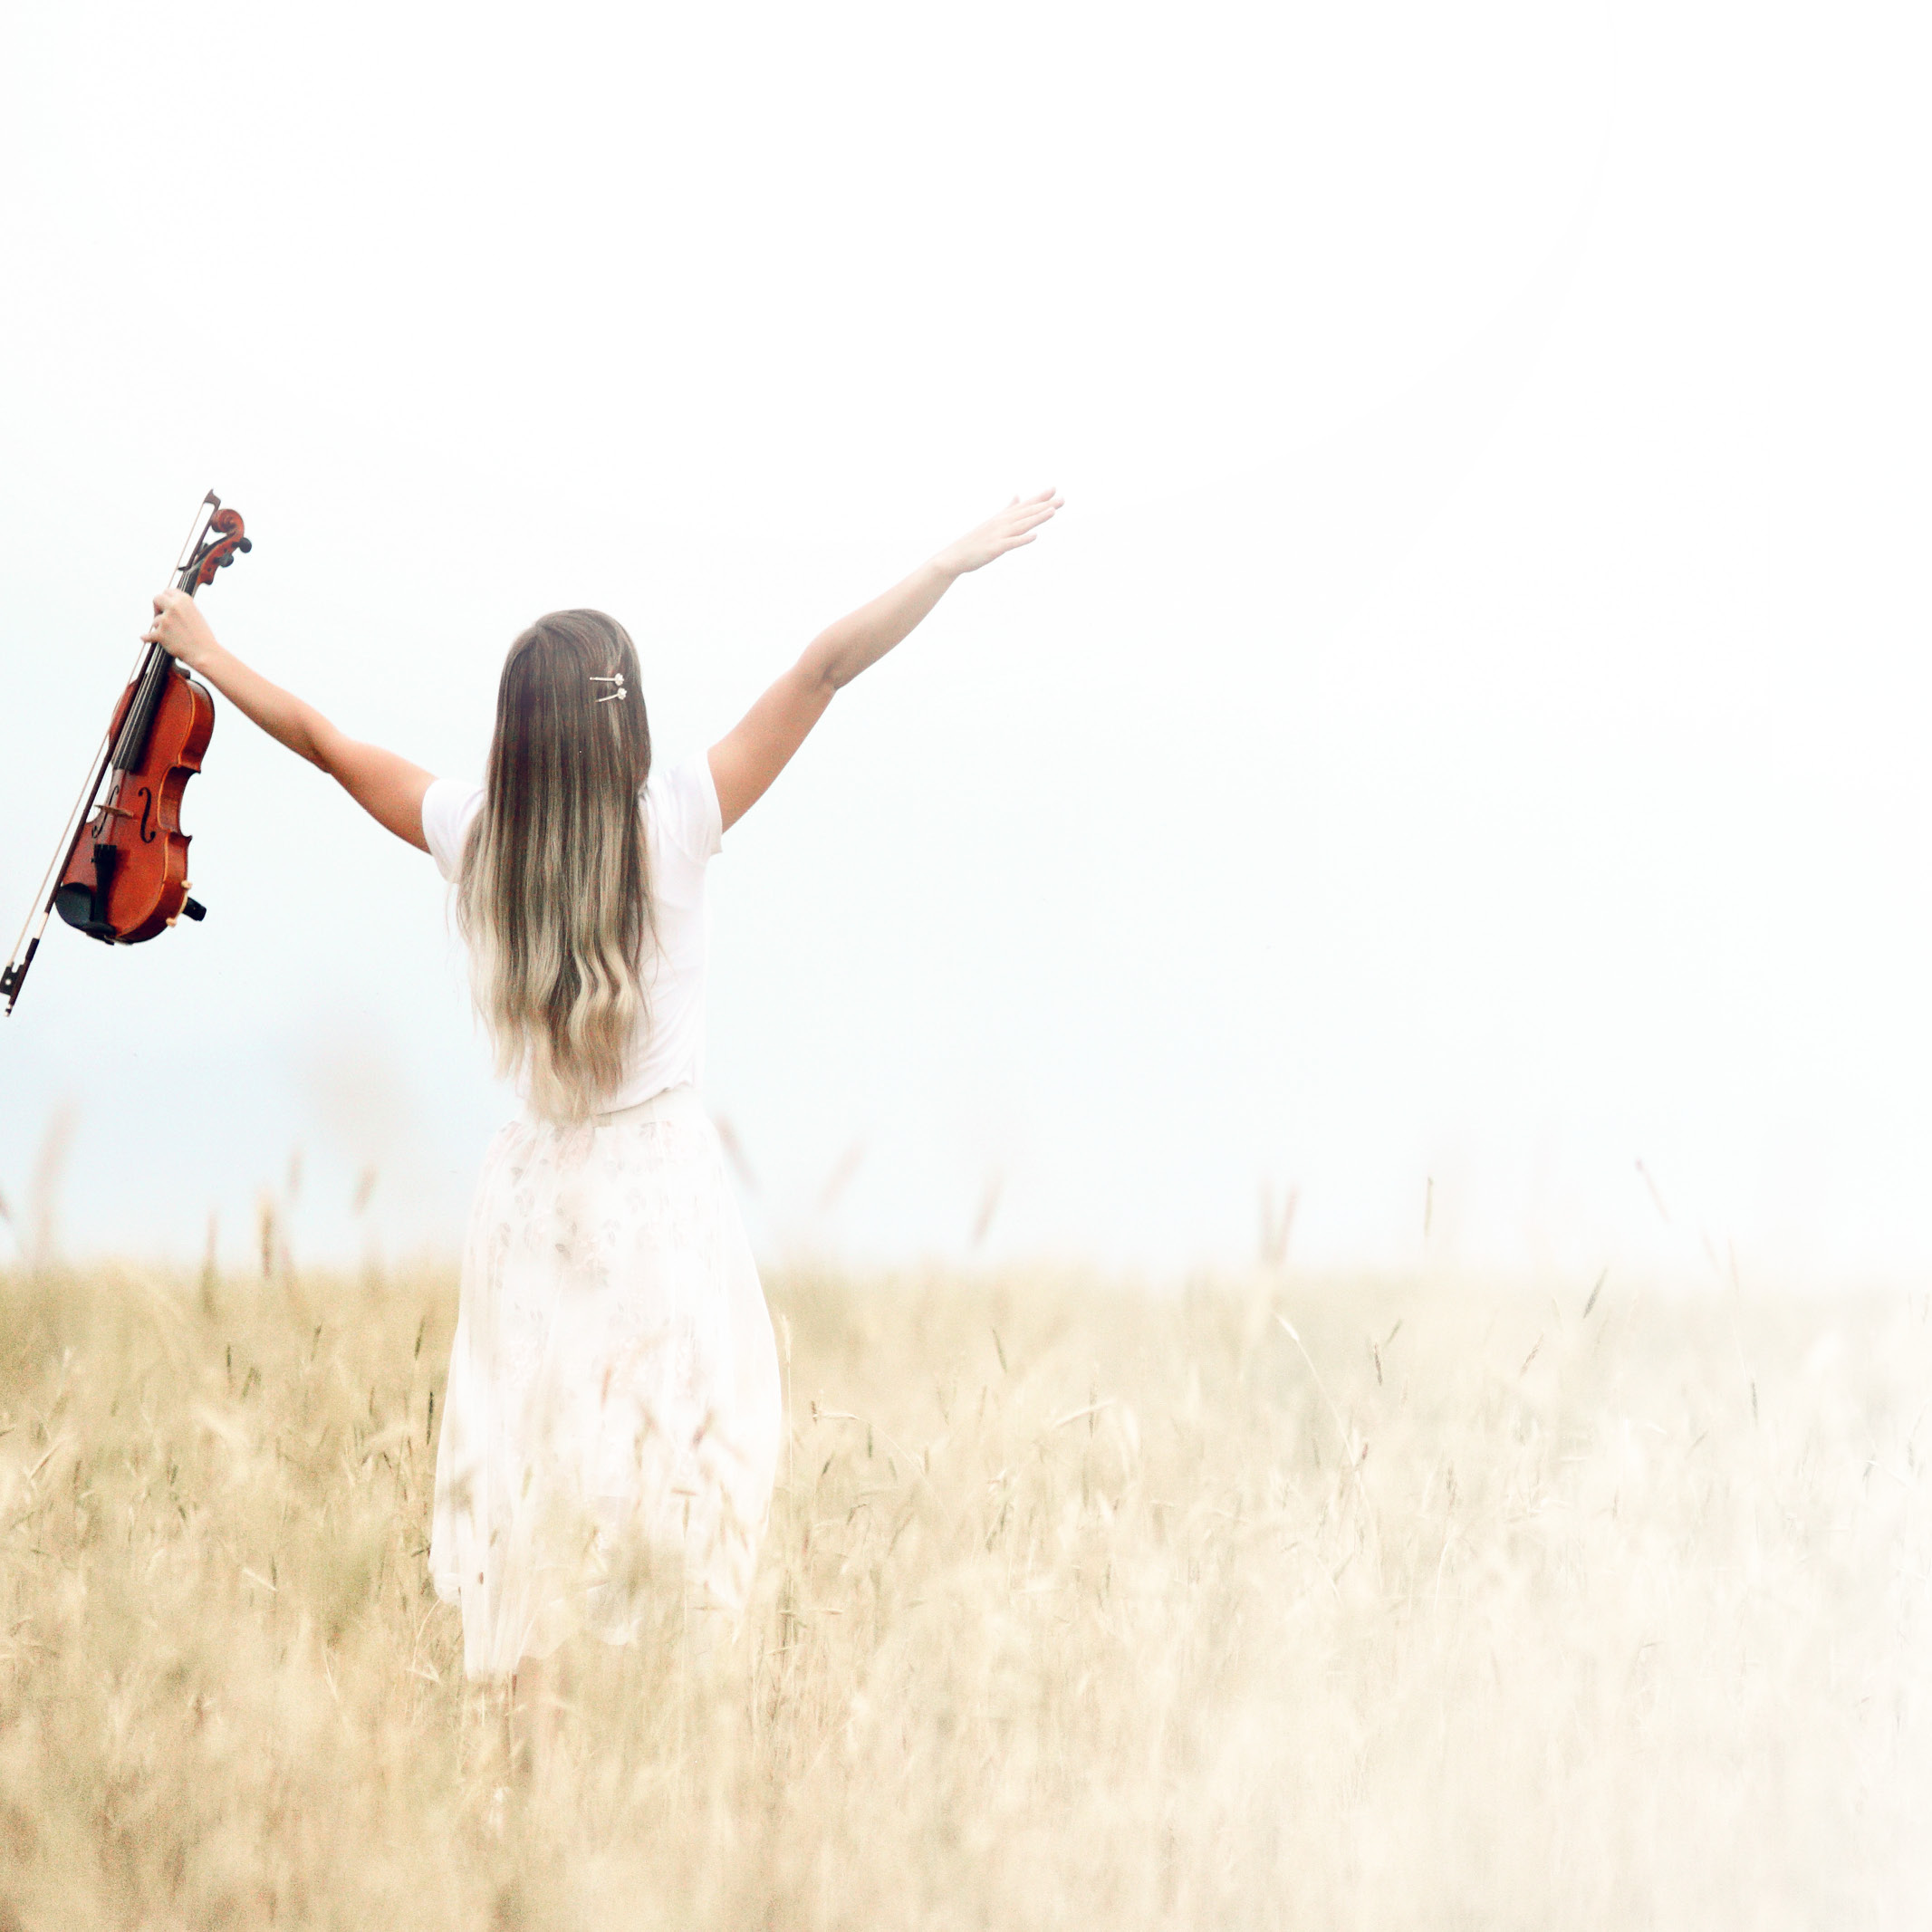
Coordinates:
165 601
1032 522
1007 529
1044 501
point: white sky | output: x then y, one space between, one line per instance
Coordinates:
1463 727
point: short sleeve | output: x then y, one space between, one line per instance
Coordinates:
685 801
448 806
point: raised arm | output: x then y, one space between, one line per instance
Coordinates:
744 762
388 788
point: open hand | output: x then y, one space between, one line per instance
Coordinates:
1007 530
181 630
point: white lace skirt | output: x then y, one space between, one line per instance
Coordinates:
612 1420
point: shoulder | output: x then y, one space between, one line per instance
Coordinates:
682 801
448 806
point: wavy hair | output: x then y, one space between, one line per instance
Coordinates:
553 896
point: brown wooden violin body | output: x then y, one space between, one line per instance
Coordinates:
124 877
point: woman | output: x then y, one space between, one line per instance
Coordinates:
612 1407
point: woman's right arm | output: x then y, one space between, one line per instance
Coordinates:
388 788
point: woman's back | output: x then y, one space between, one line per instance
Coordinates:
683 831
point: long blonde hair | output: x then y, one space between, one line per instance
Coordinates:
554 896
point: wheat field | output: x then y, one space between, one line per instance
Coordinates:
1276 1603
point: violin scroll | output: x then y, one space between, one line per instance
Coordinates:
220 541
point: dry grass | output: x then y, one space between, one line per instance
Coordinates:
1077 1610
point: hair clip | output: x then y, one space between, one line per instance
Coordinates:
618 681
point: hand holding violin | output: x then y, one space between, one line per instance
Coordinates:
119 872
181 629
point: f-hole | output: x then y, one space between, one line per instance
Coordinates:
147 833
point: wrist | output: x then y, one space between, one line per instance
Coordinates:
210 662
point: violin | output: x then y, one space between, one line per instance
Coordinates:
122 859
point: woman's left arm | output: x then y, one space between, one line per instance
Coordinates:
744 762
388 788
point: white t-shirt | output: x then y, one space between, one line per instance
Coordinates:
683 828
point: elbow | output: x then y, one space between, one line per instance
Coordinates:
821 672
324 750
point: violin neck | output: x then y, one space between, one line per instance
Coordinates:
132 738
